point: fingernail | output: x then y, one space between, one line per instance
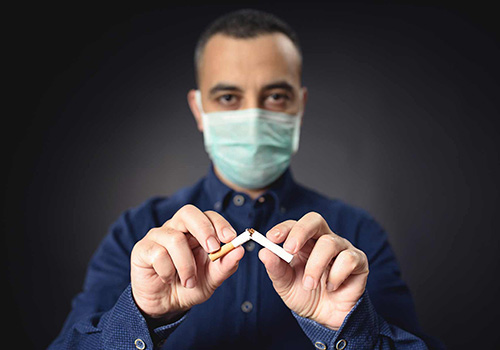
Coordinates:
275 232
308 283
212 244
228 233
191 282
290 245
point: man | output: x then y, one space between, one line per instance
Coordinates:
151 282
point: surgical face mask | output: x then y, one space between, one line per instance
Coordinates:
250 147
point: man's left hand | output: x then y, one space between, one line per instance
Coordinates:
327 275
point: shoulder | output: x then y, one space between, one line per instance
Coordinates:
154 211
348 220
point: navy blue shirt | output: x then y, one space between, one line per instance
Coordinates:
245 311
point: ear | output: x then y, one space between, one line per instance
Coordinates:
304 102
304 96
191 97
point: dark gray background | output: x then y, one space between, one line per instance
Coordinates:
401 120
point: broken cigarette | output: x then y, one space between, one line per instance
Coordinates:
276 249
251 234
226 248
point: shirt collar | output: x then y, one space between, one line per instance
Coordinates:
218 192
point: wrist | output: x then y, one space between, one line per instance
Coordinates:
156 318
168 318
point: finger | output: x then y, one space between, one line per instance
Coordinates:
279 232
224 267
279 271
327 247
177 246
162 263
190 219
223 228
149 254
311 225
347 263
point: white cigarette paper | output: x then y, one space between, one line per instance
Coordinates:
276 249
241 239
251 234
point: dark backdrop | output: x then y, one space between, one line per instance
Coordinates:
401 120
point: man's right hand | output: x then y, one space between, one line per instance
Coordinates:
170 268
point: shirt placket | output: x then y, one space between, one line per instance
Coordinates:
240 213
243 212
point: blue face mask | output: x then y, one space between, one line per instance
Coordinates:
251 147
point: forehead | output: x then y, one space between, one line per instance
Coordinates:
253 60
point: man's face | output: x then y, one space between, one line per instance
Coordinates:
261 72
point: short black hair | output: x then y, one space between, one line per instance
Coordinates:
244 24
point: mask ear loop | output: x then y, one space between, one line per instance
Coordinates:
296 135
197 96
204 119
296 131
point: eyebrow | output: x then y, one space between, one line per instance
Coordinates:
224 87
282 84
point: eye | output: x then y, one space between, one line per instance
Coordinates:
277 101
278 97
227 99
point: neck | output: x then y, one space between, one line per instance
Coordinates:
253 193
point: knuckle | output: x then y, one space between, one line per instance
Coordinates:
363 259
175 239
154 232
284 226
185 210
157 253
139 244
328 240
188 207
136 250
287 223
350 258
212 213
300 229
314 215
216 218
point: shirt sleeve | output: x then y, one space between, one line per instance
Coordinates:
122 327
104 315
363 328
385 316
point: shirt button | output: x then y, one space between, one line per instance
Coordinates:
246 307
250 246
139 344
320 345
282 210
217 205
341 344
238 200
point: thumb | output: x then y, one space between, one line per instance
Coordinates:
280 272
